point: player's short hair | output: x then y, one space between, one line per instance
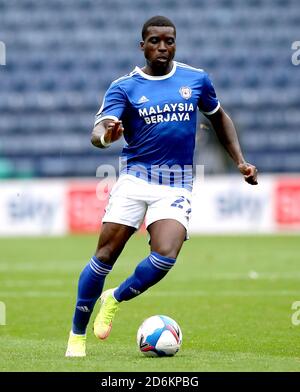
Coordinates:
157 20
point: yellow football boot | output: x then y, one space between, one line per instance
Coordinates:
76 345
108 309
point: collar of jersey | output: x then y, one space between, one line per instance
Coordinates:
150 77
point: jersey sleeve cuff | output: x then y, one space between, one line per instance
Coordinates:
213 111
108 117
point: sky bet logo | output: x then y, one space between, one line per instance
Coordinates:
2 53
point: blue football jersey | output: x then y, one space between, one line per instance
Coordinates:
159 115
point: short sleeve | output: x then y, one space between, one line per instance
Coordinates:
208 103
113 105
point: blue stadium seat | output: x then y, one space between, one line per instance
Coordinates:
63 55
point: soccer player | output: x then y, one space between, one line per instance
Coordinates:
154 107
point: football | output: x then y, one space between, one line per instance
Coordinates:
159 336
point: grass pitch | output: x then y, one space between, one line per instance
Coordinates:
232 297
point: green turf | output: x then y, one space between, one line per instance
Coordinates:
232 297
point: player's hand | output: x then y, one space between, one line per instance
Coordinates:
249 172
113 131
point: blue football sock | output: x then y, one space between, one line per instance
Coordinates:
90 287
148 272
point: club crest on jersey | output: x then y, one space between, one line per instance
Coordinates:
185 92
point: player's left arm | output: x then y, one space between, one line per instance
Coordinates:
227 135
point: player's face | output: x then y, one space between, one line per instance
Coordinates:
159 46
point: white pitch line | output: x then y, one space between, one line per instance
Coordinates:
229 293
65 266
52 266
77 266
34 294
251 275
32 283
177 293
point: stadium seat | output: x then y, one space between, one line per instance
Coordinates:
62 56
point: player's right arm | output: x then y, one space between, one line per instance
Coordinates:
108 127
106 132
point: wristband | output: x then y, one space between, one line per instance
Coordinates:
103 142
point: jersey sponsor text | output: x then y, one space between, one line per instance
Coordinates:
168 112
